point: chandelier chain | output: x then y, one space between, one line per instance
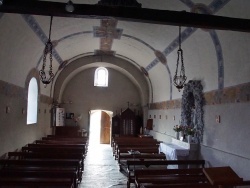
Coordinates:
46 79
180 38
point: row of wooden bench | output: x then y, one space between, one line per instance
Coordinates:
134 165
52 162
214 177
124 148
148 169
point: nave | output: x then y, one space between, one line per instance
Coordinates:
101 168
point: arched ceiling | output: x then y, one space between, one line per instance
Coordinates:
147 45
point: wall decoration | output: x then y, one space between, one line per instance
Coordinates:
70 115
192 107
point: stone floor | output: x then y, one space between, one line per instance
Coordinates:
101 169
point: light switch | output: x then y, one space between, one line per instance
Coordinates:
217 119
7 109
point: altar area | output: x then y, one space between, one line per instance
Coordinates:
179 150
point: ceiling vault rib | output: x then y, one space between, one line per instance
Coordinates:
164 17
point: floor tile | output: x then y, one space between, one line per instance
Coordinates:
101 170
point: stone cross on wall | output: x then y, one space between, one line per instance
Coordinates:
107 32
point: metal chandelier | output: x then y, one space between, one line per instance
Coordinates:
179 80
47 78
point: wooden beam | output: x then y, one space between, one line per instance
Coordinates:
164 17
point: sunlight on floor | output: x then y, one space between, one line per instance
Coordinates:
100 167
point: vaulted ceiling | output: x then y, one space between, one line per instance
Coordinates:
145 37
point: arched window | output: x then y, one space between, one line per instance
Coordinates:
32 101
101 77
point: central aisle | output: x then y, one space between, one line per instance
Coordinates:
101 169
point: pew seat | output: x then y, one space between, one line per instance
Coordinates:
74 163
7 182
133 165
55 174
142 156
169 176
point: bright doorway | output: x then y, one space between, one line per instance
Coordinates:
100 127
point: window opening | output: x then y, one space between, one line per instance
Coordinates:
101 77
32 101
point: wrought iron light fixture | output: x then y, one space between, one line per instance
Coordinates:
46 79
69 7
179 80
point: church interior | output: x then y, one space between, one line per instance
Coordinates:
159 83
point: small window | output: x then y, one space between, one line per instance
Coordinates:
32 102
101 77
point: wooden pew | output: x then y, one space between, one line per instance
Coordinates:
74 163
130 140
60 145
114 139
139 142
220 177
58 174
157 164
229 177
125 150
143 156
170 176
190 185
47 155
62 142
8 182
58 150
134 141
65 138
55 162
44 155
65 149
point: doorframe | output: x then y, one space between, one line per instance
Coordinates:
110 113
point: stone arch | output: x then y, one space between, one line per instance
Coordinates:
130 70
192 107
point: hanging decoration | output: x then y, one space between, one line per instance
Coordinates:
47 78
179 80
192 108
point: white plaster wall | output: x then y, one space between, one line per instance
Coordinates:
17 56
231 134
224 144
85 96
236 47
14 131
227 143
163 123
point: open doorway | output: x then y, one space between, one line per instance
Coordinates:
100 127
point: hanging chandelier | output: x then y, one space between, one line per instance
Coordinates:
179 80
47 78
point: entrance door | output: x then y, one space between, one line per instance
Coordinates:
105 128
